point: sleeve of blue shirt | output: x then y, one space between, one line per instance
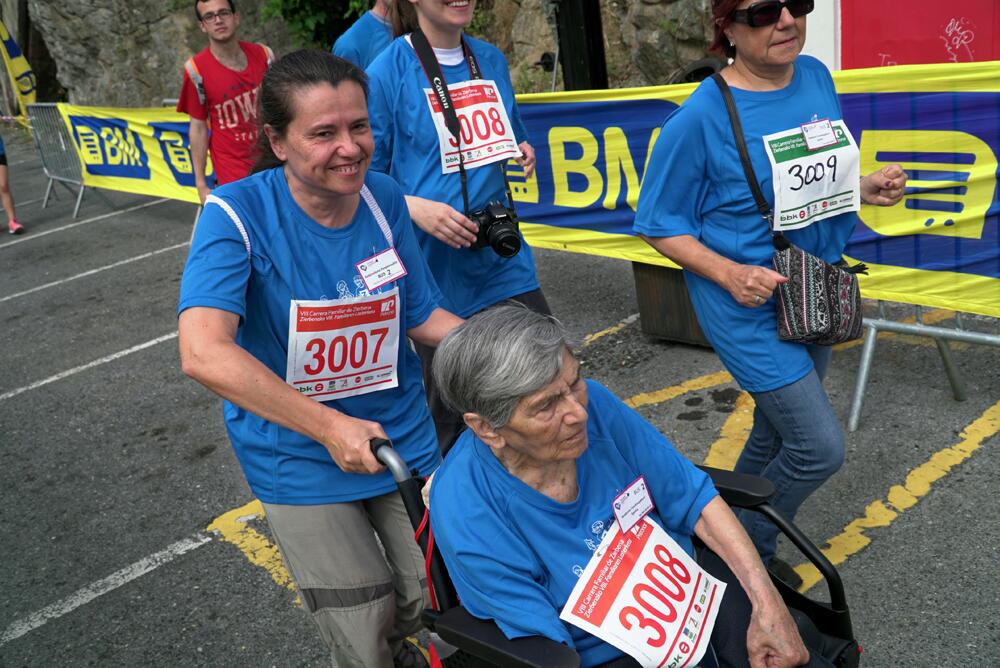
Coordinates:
346 50
505 588
674 191
680 490
380 112
218 265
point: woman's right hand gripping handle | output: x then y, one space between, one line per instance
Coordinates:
348 441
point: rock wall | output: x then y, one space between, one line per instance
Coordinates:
646 42
129 53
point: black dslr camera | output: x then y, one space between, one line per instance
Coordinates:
497 229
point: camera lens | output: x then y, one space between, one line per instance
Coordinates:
504 239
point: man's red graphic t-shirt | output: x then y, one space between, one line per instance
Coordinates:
230 109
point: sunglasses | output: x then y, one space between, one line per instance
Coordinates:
769 12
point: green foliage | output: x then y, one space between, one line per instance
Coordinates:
314 22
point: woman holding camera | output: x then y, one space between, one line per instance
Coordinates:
459 199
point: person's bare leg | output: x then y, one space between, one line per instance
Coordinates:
7 200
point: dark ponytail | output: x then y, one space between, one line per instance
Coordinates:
403 16
284 79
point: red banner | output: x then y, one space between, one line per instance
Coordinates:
918 32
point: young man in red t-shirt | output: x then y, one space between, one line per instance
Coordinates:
219 92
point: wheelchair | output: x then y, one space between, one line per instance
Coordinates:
825 628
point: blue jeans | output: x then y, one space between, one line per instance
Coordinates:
795 442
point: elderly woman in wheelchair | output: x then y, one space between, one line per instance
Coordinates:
522 509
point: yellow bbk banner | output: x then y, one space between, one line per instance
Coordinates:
144 151
19 70
939 247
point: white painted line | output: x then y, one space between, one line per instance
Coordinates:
89 365
30 236
95 271
110 583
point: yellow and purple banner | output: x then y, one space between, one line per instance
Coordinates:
144 151
21 76
939 247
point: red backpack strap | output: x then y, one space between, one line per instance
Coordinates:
267 52
425 525
199 84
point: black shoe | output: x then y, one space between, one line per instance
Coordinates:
781 569
409 656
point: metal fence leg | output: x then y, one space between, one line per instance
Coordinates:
79 198
867 354
954 376
48 191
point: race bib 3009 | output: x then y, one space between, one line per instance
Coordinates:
811 184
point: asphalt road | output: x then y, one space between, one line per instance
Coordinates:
113 464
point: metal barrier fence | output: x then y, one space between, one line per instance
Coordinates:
55 148
941 336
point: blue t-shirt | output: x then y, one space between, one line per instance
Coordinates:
406 147
514 553
364 40
293 257
700 190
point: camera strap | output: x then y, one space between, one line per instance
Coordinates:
432 70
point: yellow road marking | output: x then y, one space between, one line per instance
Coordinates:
726 450
232 527
900 498
674 391
614 329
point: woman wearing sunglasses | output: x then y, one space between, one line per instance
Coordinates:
699 212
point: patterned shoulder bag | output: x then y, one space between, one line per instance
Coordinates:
821 302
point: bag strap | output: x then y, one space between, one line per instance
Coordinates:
741 145
268 53
195 76
376 210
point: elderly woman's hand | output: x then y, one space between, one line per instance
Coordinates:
884 187
772 638
348 441
751 285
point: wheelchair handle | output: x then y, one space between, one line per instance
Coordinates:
382 449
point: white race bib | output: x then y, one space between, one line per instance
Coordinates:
487 135
642 593
811 184
341 348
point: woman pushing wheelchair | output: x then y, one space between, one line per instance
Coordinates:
532 500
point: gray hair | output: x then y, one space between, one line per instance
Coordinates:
486 364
